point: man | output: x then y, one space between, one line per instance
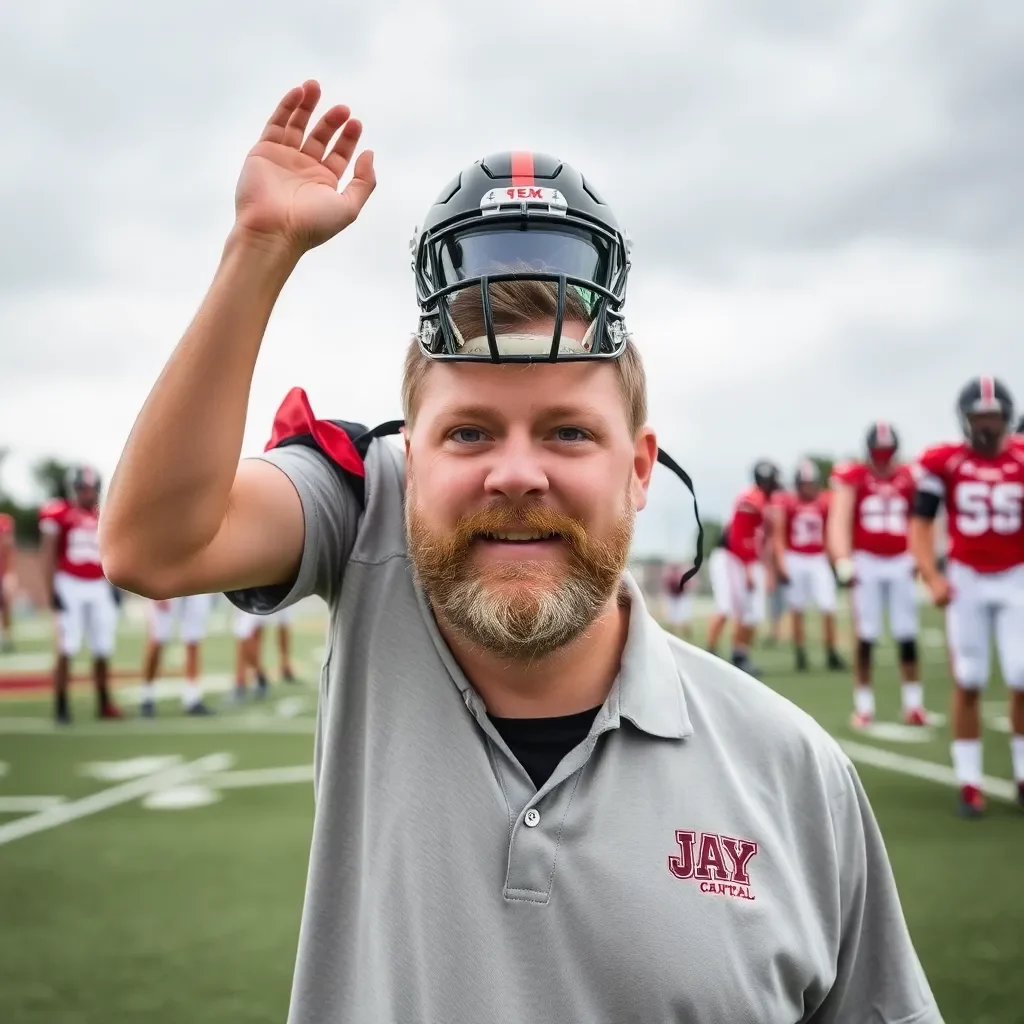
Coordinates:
980 480
737 571
799 545
867 539
191 614
79 594
523 783
6 581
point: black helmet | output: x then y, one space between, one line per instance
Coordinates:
882 437
520 216
766 476
983 395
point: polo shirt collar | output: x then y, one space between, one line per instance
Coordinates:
649 689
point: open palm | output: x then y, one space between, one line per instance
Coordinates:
288 187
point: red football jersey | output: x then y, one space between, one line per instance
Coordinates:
746 527
804 521
78 549
881 506
6 540
984 503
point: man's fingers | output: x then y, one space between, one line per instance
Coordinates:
319 138
299 117
363 182
274 130
337 160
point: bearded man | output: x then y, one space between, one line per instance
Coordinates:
532 803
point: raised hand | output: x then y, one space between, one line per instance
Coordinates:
288 189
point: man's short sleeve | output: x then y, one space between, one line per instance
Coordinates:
330 512
879 979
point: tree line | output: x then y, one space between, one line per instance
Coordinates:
48 475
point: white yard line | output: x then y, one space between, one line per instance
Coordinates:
261 777
122 794
1002 789
172 726
28 804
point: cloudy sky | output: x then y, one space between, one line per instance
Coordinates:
825 199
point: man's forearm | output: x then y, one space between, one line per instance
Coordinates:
169 494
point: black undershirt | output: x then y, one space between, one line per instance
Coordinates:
539 744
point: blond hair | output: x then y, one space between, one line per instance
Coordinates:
514 304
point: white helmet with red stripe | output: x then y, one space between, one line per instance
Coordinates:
520 216
985 410
807 479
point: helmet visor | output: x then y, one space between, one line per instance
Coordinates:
487 249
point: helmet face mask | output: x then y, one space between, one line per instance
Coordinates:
520 217
807 480
82 485
766 476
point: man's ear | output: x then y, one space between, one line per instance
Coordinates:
645 456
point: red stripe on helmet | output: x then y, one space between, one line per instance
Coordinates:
883 435
988 391
522 168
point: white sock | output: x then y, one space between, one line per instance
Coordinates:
1017 753
192 694
913 696
967 762
864 700
149 693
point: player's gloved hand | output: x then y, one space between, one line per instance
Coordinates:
56 603
844 571
287 193
941 591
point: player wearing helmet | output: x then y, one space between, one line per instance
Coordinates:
81 597
799 549
867 535
980 480
6 580
495 690
736 568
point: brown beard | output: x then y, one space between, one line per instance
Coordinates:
556 603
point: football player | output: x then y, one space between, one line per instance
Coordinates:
191 614
678 602
736 568
799 547
79 593
867 539
6 581
980 480
248 629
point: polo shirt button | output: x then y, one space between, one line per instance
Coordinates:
532 817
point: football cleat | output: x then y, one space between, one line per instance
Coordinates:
860 721
199 709
110 711
972 802
915 716
148 709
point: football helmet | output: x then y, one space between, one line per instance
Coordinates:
79 480
984 395
766 476
882 443
518 216
807 479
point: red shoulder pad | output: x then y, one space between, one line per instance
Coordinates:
935 459
295 419
53 509
848 473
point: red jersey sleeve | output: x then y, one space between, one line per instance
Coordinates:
51 516
930 472
848 474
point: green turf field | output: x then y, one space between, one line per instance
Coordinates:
175 893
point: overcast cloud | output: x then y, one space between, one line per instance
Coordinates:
825 201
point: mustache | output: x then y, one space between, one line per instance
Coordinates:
522 519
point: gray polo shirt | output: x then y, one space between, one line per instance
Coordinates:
706 855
